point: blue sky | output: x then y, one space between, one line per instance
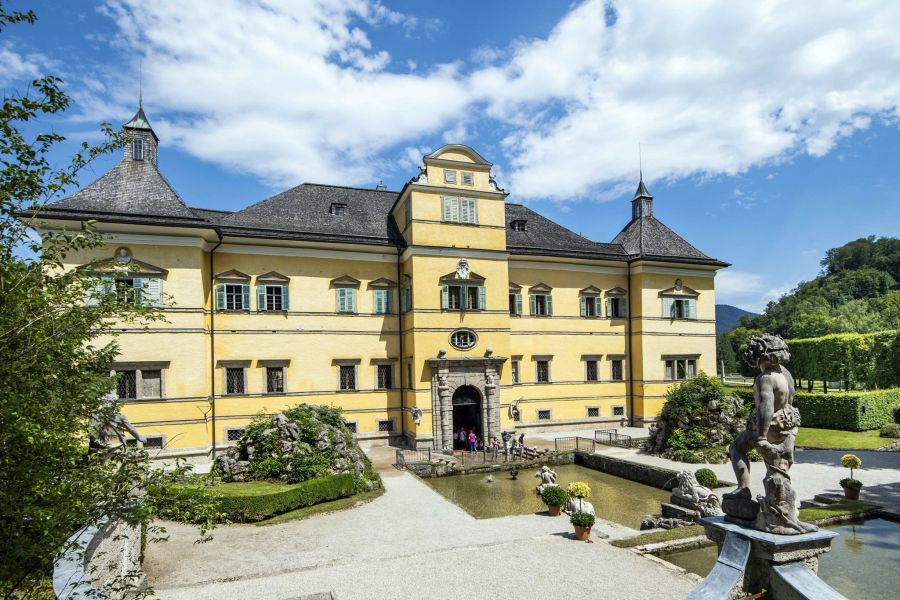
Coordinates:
769 130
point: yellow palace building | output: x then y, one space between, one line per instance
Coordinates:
416 312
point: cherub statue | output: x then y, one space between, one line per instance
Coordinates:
416 415
548 477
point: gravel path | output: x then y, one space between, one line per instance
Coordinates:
409 543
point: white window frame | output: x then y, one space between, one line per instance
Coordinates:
469 332
222 290
262 297
406 298
345 300
594 302
670 373
480 295
466 178
671 310
516 302
383 299
457 209
621 302
548 305
449 176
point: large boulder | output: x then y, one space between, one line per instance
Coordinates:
301 443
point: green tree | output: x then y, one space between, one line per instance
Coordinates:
55 368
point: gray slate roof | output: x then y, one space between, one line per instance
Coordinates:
132 188
648 237
304 212
543 236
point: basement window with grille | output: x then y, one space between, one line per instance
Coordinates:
593 411
386 425
543 414
233 435
618 411
351 425
153 441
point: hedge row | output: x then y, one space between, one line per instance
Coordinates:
850 411
871 360
255 501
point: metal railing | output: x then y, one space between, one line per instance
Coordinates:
577 443
416 455
611 437
467 457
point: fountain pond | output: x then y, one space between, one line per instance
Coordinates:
862 563
615 499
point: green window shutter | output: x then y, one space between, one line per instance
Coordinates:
450 208
151 291
220 296
668 308
482 297
518 304
533 304
583 306
549 304
351 297
343 305
388 301
445 297
260 298
609 312
285 298
245 296
623 307
691 312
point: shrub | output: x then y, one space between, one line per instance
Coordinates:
247 502
707 478
868 359
853 484
852 411
554 495
582 519
754 455
687 456
891 430
579 489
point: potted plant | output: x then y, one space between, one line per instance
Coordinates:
851 486
554 497
583 523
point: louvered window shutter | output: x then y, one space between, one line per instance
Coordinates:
151 291
388 301
533 304
351 300
584 306
245 296
691 309
549 304
261 298
623 307
339 300
220 296
445 297
482 297
609 311
451 209
668 306
285 298
518 304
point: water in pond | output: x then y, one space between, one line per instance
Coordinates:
863 562
615 499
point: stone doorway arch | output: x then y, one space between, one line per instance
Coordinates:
467 411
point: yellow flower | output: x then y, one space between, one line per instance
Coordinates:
579 489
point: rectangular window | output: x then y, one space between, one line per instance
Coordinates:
383 302
515 372
406 299
618 411
543 414
234 380
615 307
472 297
454 300
272 297
233 435
589 306
449 176
348 377
128 290
137 149
679 308
459 210
515 303
385 377
154 442
151 383
351 425
590 370
274 380
463 297
681 368
468 178
617 370
236 296
542 371
346 300
386 425
541 305
408 211
593 411
127 385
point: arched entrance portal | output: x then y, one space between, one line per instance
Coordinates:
467 410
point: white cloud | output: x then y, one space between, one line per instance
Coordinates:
293 91
731 284
15 66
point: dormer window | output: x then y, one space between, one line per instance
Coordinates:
137 149
468 178
449 176
518 225
338 209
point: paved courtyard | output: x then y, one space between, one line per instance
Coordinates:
409 543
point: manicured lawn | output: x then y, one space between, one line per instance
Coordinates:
659 536
838 509
811 437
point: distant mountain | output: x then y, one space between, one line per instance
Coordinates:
727 317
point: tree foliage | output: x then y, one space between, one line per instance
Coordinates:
56 354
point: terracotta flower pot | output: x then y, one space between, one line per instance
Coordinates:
553 510
851 493
582 534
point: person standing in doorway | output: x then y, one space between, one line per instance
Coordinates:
473 440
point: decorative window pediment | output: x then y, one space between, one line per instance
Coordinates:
514 288
617 291
382 282
540 288
345 281
591 291
130 267
233 275
272 277
455 277
683 292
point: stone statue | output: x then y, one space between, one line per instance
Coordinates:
548 477
462 268
772 430
416 415
514 410
106 431
122 257
690 494
579 505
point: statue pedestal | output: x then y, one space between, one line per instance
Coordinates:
786 565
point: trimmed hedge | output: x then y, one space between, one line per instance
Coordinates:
871 360
850 411
257 500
